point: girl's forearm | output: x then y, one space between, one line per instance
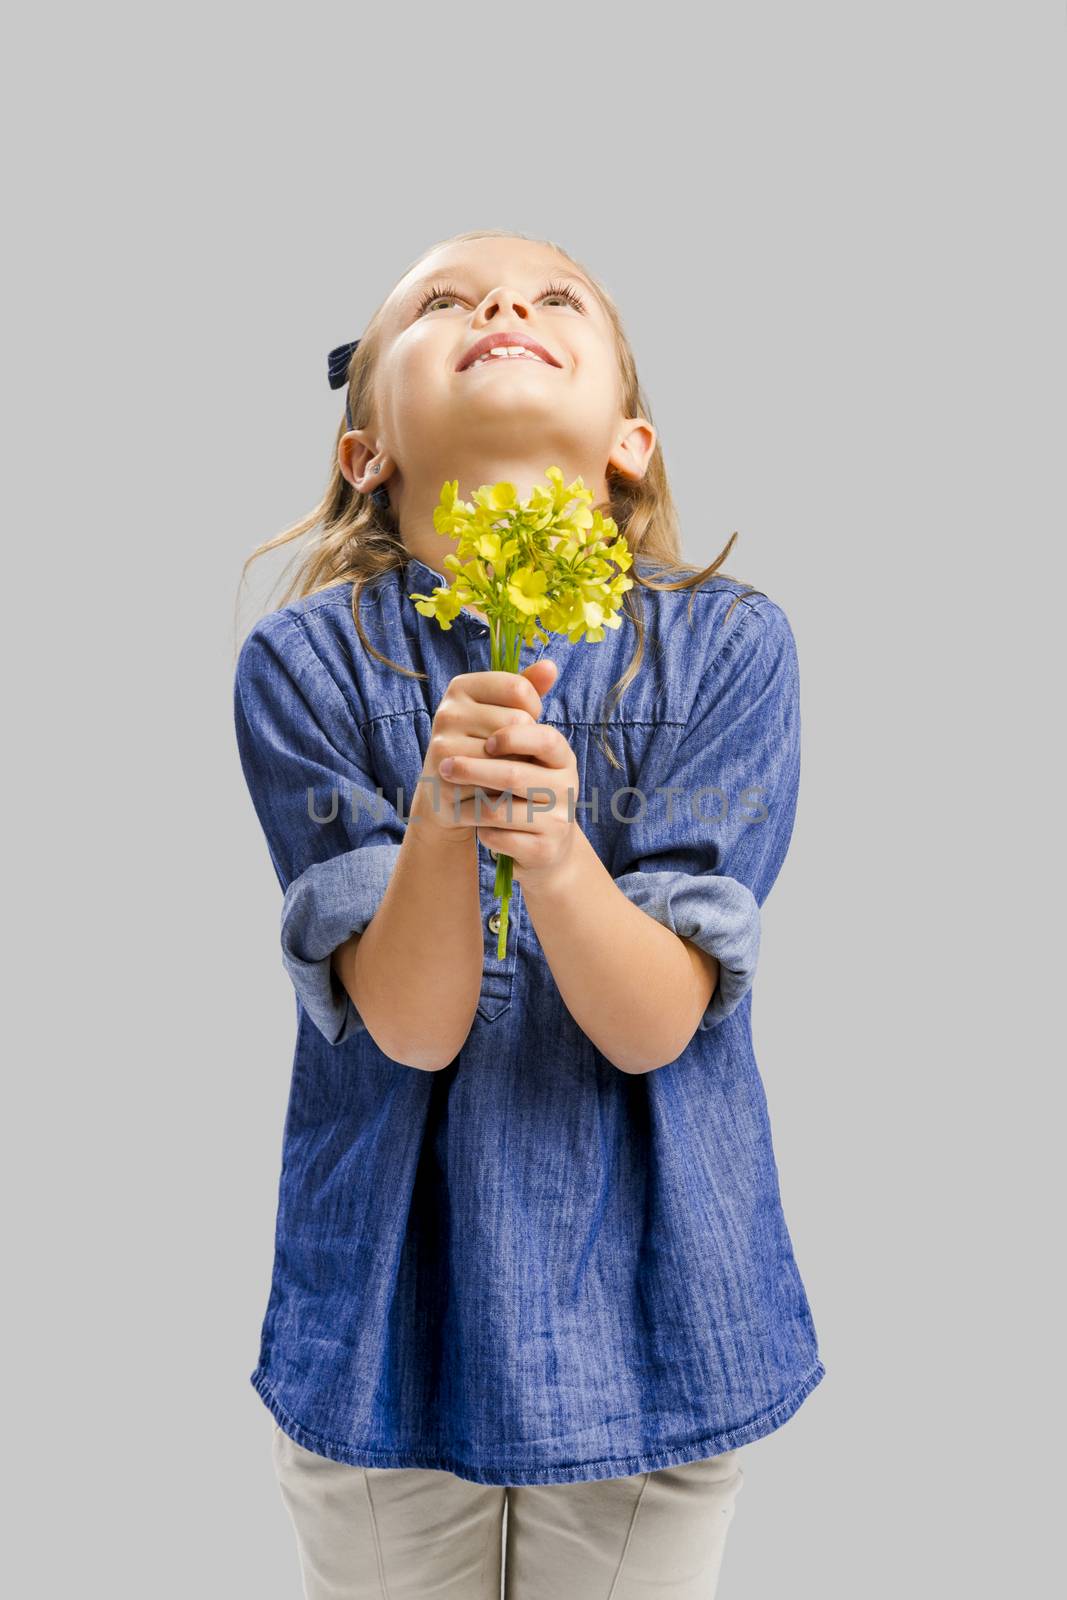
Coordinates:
635 988
415 973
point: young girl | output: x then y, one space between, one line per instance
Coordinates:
530 1246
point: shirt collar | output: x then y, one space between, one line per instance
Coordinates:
417 571
420 576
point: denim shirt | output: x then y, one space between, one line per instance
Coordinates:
529 1266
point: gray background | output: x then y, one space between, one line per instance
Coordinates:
836 235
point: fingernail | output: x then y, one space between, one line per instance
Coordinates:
446 766
490 743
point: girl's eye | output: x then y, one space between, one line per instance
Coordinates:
565 290
558 290
436 293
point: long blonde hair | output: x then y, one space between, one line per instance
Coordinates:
357 540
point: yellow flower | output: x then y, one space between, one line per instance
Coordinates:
619 552
526 590
491 547
443 604
451 514
496 497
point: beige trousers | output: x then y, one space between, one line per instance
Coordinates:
405 1533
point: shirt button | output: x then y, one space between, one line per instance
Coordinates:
494 922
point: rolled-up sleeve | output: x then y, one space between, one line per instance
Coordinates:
717 799
333 837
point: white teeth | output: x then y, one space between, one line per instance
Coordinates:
513 351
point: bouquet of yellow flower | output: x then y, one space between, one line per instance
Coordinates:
534 567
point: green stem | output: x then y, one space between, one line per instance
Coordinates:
506 646
504 866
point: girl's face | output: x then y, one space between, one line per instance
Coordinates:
441 417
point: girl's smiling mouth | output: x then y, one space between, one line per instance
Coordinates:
515 347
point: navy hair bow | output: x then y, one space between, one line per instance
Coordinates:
337 364
337 370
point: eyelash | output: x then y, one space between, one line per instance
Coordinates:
439 292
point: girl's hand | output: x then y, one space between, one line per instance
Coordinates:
523 762
475 706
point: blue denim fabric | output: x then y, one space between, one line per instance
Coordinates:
529 1267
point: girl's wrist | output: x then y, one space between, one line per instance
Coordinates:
429 833
560 882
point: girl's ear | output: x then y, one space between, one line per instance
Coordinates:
355 452
633 452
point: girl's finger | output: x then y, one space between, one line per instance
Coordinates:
530 739
516 775
496 817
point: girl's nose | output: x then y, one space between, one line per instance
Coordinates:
501 299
